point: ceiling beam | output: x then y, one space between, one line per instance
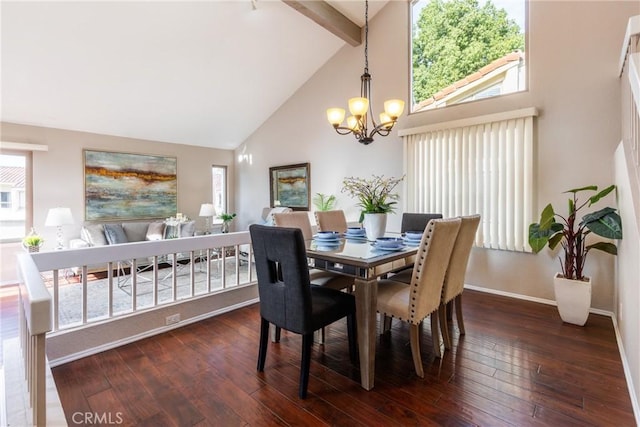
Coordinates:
328 17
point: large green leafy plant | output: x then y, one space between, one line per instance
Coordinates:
374 195
572 235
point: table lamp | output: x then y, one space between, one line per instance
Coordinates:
57 217
207 210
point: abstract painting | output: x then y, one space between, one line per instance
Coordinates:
129 186
289 186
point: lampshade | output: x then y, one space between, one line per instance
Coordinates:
358 106
394 108
207 209
335 116
58 216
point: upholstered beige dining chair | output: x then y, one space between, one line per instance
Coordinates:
421 298
454 279
331 221
318 277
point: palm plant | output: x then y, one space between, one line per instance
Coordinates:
324 202
573 235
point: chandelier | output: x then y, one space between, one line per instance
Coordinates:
357 122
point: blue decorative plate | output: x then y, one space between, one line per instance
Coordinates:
388 249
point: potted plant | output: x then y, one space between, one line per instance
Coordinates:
226 221
572 287
324 202
375 198
32 241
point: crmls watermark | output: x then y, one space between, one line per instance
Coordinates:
89 418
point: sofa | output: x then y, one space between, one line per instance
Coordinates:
92 235
128 232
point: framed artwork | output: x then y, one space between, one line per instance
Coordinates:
129 186
289 186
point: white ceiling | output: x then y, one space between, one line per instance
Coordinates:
203 73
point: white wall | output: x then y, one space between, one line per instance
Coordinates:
573 54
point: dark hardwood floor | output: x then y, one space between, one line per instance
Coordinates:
518 365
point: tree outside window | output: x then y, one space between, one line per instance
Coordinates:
464 50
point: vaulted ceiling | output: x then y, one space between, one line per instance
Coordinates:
203 73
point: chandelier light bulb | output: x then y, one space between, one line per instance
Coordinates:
394 108
386 120
335 116
358 106
352 123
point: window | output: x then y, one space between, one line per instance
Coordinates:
482 165
219 185
464 50
5 199
13 196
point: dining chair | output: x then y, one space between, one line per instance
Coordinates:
331 221
318 277
287 299
421 298
454 279
412 222
417 221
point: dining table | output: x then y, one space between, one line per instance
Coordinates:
365 262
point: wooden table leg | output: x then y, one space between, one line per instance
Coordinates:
366 302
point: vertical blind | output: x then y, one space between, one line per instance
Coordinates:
482 165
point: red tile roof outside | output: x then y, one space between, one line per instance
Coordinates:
492 66
12 175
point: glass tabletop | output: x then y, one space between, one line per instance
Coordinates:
358 248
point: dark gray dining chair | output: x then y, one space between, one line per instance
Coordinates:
417 221
287 298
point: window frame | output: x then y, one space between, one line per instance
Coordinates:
527 77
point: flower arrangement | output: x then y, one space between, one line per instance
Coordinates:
226 220
227 217
375 195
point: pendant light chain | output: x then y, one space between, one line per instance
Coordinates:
366 36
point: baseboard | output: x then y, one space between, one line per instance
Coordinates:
623 356
627 372
149 333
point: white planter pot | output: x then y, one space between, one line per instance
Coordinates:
573 298
375 225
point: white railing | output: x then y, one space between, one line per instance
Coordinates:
35 322
49 290
101 283
630 86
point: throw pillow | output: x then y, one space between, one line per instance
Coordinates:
187 229
94 235
115 234
135 231
155 231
